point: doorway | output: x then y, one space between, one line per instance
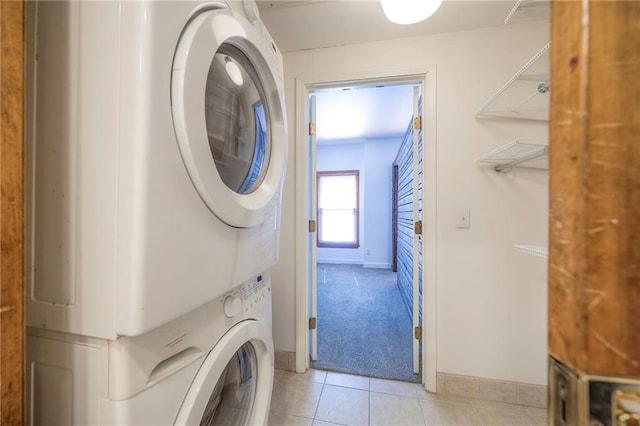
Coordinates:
363 320
304 85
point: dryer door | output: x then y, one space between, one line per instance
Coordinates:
234 384
228 113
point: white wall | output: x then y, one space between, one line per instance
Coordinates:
491 300
374 159
378 156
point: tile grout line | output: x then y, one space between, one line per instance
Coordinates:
315 412
369 392
420 404
324 383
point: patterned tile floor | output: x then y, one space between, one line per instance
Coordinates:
318 398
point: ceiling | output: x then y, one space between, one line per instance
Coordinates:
314 24
361 113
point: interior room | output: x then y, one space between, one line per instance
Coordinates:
490 299
358 293
197 209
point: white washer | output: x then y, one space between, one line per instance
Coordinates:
156 157
203 368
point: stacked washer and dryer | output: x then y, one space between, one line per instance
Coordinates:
156 158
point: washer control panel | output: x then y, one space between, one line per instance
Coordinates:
242 299
253 291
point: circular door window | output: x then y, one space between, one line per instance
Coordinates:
229 116
237 119
232 398
233 386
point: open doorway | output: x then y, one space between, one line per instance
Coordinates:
363 319
304 86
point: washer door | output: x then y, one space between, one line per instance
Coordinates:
228 114
234 383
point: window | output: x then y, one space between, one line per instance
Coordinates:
338 209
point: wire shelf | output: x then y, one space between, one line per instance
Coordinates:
539 251
529 10
531 153
526 95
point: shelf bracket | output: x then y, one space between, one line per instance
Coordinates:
507 167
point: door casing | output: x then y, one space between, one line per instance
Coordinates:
12 212
304 85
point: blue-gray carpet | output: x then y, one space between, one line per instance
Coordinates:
363 325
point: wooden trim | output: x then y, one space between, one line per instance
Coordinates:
394 219
594 326
12 211
323 244
567 199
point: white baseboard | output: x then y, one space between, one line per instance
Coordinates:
377 265
493 390
285 360
340 261
373 265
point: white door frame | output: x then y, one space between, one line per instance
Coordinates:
303 86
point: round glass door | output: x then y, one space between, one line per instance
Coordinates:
234 383
237 119
232 398
227 102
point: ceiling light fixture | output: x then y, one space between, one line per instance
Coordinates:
406 12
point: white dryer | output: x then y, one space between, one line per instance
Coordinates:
156 157
213 366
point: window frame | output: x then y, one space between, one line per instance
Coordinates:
328 244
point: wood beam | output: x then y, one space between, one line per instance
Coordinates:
594 253
12 211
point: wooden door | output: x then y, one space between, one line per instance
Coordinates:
417 231
394 218
12 83
313 235
408 215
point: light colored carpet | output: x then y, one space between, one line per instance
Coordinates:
363 325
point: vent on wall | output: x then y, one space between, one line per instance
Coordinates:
529 10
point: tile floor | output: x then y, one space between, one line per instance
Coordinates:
319 398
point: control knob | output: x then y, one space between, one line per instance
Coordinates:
232 306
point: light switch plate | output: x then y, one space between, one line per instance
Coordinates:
463 218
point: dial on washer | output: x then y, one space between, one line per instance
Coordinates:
232 306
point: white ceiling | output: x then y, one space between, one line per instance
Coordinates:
367 112
313 24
